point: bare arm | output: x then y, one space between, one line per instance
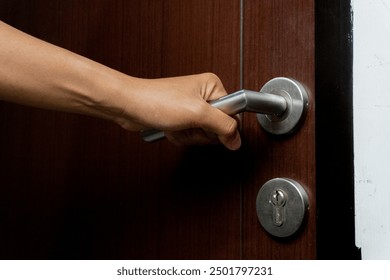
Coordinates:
39 74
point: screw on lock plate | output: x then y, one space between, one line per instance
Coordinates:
281 207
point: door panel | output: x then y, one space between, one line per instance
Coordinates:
278 41
115 196
83 188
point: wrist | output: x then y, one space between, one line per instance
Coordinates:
100 91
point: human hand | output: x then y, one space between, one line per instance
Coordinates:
179 107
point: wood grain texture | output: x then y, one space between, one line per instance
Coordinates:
73 187
278 42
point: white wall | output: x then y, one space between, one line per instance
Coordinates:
371 33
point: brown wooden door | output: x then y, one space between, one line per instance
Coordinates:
73 187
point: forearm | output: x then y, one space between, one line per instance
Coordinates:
36 73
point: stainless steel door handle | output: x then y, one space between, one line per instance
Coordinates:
280 106
237 102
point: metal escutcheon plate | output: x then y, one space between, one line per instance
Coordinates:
281 207
297 106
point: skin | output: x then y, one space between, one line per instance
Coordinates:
36 73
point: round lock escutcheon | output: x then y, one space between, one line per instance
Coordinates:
297 99
282 206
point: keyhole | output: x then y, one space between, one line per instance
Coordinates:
278 200
277 197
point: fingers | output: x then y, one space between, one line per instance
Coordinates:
232 142
225 126
195 121
201 137
217 128
217 122
195 136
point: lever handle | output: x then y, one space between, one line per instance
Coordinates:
280 105
237 102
